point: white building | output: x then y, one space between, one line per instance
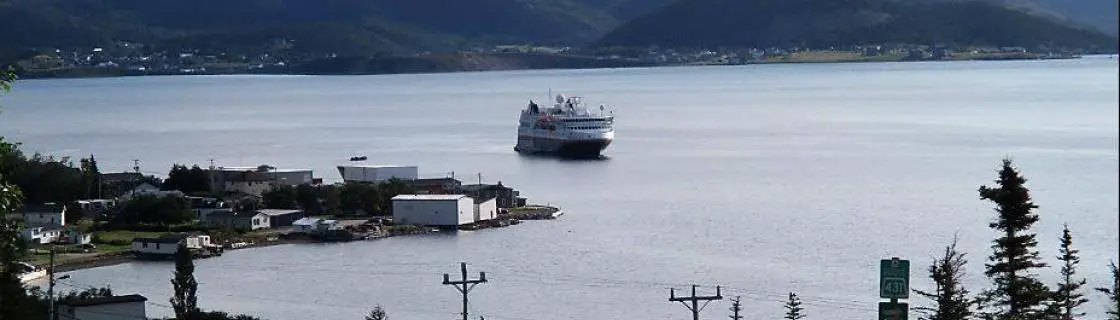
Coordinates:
376 173
433 209
168 244
485 209
41 235
130 307
47 215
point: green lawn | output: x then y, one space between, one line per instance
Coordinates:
105 237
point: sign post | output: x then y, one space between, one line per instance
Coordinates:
894 284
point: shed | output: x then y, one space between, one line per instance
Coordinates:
433 209
246 221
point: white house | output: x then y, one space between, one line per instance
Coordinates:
49 214
41 235
148 189
246 220
485 209
130 307
433 209
168 244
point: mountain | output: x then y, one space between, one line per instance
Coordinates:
823 23
1098 14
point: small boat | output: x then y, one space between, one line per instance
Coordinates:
30 272
358 158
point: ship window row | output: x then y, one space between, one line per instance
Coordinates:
587 128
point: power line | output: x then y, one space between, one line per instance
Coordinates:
464 286
693 302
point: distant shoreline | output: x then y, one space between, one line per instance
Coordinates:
580 63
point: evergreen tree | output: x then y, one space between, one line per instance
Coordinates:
736 309
377 314
949 294
184 301
1113 293
1018 294
1068 296
793 308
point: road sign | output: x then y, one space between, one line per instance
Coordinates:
894 278
893 311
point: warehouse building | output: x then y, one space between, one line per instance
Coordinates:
441 210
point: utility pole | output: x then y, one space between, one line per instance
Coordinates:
50 285
480 179
136 165
736 307
464 286
692 302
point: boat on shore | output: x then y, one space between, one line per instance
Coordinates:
566 129
30 272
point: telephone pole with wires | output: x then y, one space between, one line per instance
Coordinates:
50 286
693 302
464 286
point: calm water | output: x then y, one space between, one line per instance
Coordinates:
764 179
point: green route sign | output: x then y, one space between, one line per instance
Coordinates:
894 278
893 311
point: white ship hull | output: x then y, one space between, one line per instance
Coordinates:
585 146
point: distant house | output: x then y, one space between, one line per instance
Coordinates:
222 176
202 206
238 220
506 196
41 235
93 208
281 217
250 183
436 186
121 177
310 225
130 307
168 244
148 189
48 214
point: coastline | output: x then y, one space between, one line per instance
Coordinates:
511 62
531 212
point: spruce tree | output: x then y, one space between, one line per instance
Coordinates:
1018 294
1113 293
950 296
1068 296
184 301
377 314
793 308
736 309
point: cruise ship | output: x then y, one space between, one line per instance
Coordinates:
566 129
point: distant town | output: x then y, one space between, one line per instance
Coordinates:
130 58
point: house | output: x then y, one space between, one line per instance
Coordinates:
148 189
485 209
41 235
238 220
311 225
93 208
222 175
48 214
281 217
444 210
72 236
436 186
121 177
203 206
377 173
129 307
168 244
506 196
250 183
